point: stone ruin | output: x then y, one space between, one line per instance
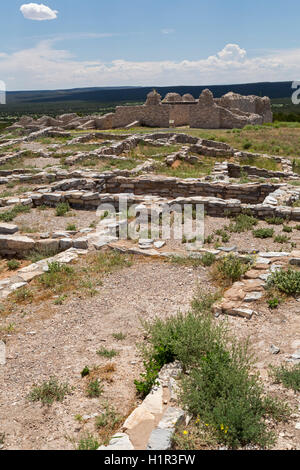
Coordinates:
230 111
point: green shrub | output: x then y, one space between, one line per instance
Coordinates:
62 209
287 282
208 259
273 303
247 145
220 388
281 239
57 275
13 265
263 233
231 268
275 220
49 392
24 294
287 229
71 228
288 376
209 239
243 223
222 393
182 337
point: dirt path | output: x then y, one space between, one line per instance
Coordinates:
61 340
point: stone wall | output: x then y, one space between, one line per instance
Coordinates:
180 114
151 116
230 111
248 104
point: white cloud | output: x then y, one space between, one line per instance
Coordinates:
232 52
167 31
36 12
45 66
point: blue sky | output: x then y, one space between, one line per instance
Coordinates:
138 42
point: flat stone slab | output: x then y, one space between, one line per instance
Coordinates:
274 254
138 416
171 418
8 229
229 249
253 296
160 439
119 441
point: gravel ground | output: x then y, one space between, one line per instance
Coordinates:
246 240
47 221
60 341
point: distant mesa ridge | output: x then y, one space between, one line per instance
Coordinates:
122 94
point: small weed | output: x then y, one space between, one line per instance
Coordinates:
62 209
13 265
287 229
281 239
119 336
24 294
109 419
208 259
94 389
85 372
10 215
107 353
71 228
88 442
288 376
275 220
243 223
49 392
273 303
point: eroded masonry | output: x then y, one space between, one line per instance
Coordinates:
230 111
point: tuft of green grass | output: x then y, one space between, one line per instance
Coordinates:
208 259
10 215
71 228
275 220
88 442
94 389
13 265
288 376
49 392
243 223
119 336
107 353
62 209
108 419
263 233
281 239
